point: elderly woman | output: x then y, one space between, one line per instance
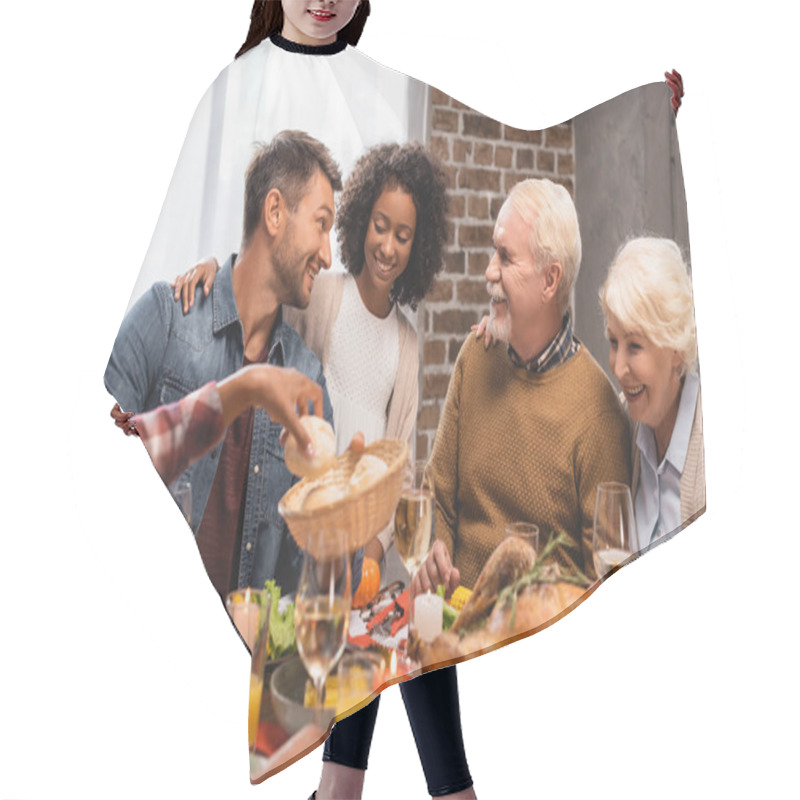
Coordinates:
649 312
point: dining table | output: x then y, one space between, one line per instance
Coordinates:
287 730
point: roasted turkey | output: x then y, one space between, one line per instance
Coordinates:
509 562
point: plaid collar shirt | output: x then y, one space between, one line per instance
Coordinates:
558 352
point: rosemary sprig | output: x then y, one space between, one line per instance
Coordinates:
541 573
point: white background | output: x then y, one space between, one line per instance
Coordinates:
119 676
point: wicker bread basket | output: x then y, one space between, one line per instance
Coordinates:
360 514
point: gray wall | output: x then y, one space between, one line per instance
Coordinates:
628 182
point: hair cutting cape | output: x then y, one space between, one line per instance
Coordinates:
620 163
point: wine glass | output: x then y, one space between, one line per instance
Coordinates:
254 628
357 674
322 611
526 531
413 526
614 537
246 609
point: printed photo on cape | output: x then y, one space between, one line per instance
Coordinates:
509 439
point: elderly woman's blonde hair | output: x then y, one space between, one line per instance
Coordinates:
547 209
649 291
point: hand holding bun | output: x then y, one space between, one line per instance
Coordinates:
324 445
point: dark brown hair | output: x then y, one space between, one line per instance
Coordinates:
287 164
411 168
266 19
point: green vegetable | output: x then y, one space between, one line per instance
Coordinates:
281 624
449 614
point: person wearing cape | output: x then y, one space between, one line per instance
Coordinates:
330 69
285 76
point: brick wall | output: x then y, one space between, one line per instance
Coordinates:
483 159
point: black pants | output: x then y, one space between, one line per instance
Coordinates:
432 706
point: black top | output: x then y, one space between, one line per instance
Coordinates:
309 49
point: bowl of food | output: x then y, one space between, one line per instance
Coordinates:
357 496
288 686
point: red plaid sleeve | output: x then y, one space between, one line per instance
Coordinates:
178 434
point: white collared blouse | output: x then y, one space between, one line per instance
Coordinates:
657 503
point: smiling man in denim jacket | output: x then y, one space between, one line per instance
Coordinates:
160 355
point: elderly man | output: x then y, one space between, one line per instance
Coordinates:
160 355
528 430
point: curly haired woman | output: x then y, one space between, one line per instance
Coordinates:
391 229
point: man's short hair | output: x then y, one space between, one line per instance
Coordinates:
549 212
287 164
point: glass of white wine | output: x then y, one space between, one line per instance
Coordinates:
526 531
322 613
614 538
413 525
357 674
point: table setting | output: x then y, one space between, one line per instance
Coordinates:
346 647
326 651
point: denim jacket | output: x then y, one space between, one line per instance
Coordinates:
160 355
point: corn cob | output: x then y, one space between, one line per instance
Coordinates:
459 597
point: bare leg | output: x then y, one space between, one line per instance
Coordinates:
345 783
340 783
344 760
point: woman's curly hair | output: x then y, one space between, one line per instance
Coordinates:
411 168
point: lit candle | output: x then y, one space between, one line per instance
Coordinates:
385 672
398 666
428 616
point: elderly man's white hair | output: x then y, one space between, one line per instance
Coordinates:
549 212
649 291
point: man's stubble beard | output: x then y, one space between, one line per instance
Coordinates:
289 276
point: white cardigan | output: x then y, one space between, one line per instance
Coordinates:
315 325
693 477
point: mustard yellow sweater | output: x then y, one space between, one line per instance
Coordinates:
514 446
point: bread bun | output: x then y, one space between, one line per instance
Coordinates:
322 495
324 449
368 470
